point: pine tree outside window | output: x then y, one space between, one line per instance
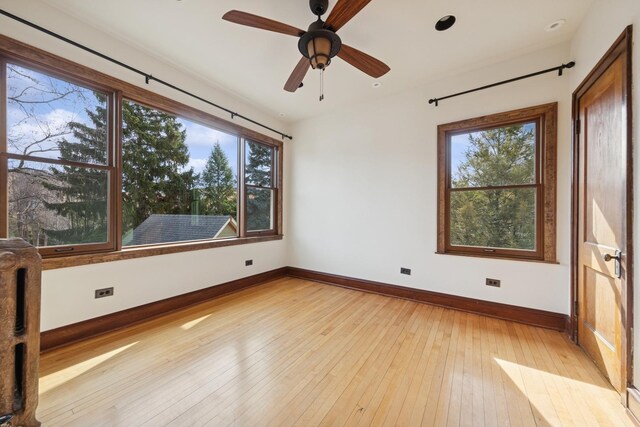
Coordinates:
496 185
179 179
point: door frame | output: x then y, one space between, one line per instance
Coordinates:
622 46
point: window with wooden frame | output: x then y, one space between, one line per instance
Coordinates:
260 189
497 185
57 161
90 165
179 178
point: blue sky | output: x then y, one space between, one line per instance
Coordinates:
201 139
32 119
460 144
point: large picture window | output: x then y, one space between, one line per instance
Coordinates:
497 185
179 179
90 165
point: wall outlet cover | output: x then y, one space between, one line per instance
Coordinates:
492 282
104 292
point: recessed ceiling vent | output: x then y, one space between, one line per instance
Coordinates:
555 25
445 22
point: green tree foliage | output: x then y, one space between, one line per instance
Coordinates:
81 192
499 218
258 171
219 189
155 179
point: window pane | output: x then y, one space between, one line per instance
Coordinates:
259 209
500 156
258 164
57 205
494 218
51 118
179 179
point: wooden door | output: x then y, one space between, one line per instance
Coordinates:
603 171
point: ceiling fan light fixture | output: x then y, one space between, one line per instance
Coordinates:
319 50
319 45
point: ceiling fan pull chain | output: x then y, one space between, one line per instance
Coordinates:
321 84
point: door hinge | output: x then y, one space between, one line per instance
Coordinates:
577 126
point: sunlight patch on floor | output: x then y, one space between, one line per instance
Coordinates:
190 324
517 372
58 378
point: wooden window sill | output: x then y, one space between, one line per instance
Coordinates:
501 257
131 253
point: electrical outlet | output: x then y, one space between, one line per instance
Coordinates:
493 282
248 262
406 271
104 292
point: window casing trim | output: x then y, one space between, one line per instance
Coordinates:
135 252
545 117
15 52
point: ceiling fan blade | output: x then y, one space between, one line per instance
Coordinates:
343 11
363 62
244 18
297 75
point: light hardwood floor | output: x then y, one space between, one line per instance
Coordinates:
293 352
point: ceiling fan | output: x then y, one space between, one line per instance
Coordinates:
320 42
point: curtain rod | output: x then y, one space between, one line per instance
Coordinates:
147 77
559 69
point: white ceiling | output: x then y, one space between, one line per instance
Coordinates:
254 64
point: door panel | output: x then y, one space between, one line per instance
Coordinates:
602 202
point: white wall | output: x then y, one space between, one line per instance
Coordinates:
600 28
364 184
67 294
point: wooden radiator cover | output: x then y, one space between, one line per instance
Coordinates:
20 278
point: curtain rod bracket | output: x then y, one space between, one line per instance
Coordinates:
567 65
148 78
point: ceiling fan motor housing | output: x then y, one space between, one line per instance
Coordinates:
318 7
